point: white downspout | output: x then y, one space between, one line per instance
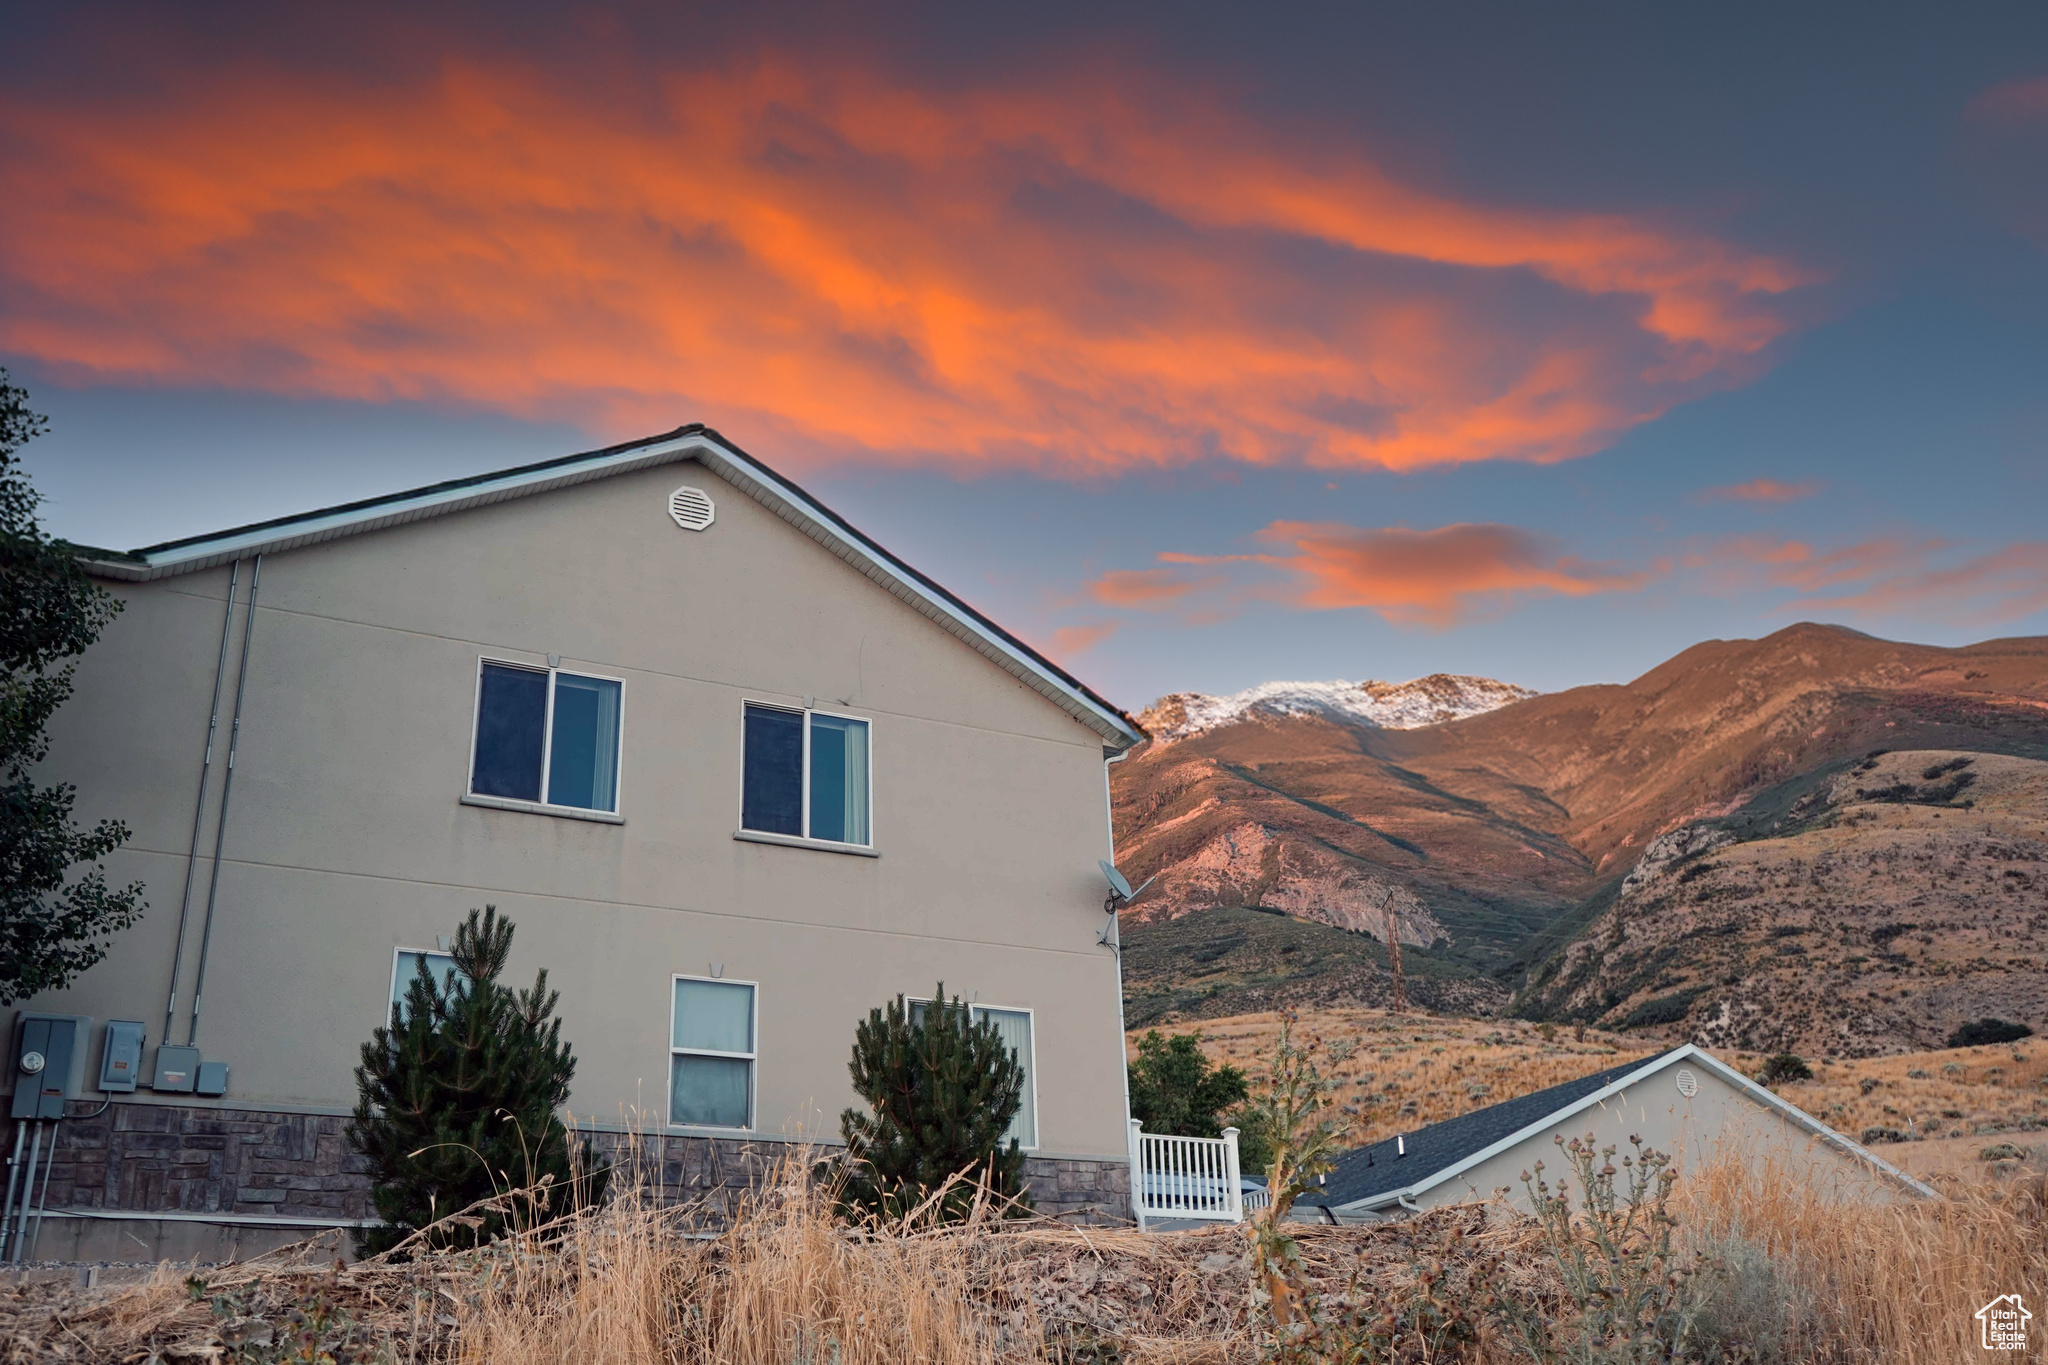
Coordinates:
1116 949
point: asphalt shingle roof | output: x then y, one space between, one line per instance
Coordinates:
1376 1169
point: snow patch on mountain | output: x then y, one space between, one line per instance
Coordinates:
1377 705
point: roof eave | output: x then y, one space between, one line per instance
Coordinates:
696 443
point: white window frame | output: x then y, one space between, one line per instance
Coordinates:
804 839
398 951
547 745
1030 1063
752 1059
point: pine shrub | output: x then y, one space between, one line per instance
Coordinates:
942 1091
1786 1066
1175 1089
1983 1032
457 1102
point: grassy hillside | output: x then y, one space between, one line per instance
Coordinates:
1230 960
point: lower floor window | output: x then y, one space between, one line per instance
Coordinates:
441 970
1014 1028
711 1054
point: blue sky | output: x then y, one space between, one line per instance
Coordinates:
1200 348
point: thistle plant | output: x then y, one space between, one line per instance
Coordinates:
1614 1254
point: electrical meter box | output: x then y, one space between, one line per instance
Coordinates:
121 1056
177 1070
49 1062
213 1078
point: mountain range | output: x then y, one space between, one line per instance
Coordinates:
1509 833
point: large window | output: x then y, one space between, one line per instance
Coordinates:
406 967
806 775
1014 1027
711 1054
540 730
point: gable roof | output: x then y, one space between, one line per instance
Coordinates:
1364 1173
1378 1175
694 442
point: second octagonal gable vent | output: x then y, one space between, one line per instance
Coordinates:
1688 1084
691 508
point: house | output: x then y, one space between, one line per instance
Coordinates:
737 773
1684 1103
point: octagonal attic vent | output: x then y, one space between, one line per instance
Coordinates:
1688 1084
691 508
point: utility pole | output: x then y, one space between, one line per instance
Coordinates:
1393 932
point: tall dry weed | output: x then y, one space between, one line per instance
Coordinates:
1809 1276
786 1284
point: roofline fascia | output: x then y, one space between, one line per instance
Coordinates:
705 447
1689 1052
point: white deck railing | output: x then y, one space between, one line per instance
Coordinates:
1184 1177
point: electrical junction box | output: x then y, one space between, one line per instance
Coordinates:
121 1056
49 1062
213 1078
177 1070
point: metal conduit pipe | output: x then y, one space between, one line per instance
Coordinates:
227 788
220 669
13 1174
35 1149
42 1204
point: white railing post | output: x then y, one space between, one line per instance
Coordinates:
1138 1172
1233 1189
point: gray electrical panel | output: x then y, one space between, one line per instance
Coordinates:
121 1056
48 1062
213 1078
177 1070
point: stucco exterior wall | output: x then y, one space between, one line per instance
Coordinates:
347 836
1717 1118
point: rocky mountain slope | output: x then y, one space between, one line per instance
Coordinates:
1891 903
1495 838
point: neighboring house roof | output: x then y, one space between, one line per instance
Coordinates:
693 442
1378 1175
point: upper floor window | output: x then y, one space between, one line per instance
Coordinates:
806 775
541 730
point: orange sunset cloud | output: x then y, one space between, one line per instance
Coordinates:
1761 490
1434 578
1080 275
2013 101
1886 576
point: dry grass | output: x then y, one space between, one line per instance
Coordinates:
1806 1279
1960 1092
1801 1278
1848 1282
1414 1069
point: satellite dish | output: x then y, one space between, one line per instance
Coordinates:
1121 891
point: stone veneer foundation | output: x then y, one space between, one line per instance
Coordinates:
145 1160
